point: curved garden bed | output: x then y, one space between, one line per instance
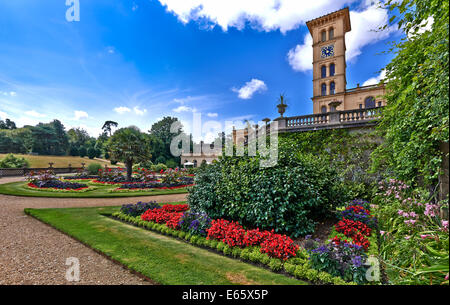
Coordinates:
21 189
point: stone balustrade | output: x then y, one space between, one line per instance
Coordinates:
331 120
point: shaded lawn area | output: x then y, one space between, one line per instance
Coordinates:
20 189
163 259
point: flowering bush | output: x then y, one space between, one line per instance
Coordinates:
42 176
359 210
175 207
275 245
414 237
279 246
195 223
139 208
340 258
356 230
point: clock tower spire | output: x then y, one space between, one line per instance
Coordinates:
329 79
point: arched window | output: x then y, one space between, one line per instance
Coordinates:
324 35
332 87
332 68
195 163
324 89
369 102
379 104
331 34
323 70
323 109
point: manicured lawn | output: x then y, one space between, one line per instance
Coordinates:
161 258
60 161
21 189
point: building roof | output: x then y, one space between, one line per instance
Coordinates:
325 18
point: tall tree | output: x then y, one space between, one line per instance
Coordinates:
107 127
130 146
161 130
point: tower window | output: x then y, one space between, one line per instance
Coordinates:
332 87
324 89
369 102
323 109
331 34
332 68
324 35
379 104
323 70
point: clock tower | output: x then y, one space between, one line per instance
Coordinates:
329 80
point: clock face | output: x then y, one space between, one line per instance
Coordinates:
327 51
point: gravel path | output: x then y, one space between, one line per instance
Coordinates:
33 253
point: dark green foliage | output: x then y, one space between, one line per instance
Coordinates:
286 198
10 161
93 168
416 119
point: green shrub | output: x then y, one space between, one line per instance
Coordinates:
325 278
286 197
220 246
289 268
158 167
226 250
11 161
300 271
187 236
93 168
275 264
236 252
264 259
193 239
181 234
213 243
245 253
254 257
312 275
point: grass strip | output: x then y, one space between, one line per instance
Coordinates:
163 259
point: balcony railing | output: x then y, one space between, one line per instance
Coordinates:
345 117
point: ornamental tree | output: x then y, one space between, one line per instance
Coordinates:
130 146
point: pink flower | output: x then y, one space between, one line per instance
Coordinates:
382 233
407 237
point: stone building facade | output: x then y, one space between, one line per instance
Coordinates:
330 91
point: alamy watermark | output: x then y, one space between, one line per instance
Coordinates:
73 272
260 138
73 12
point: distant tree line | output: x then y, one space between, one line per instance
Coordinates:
53 139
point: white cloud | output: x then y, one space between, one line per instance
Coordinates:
35 114
122 109
212 114
267 15
375 80
10 93
134 7
365 24
79 114
246 92
111 50
300 58
182 108
139 111
3 115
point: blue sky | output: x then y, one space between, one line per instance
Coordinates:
137 61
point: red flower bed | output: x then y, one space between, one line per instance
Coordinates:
356 230
279 246
167 215
175 207
233 234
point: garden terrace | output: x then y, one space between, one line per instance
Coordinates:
357 118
